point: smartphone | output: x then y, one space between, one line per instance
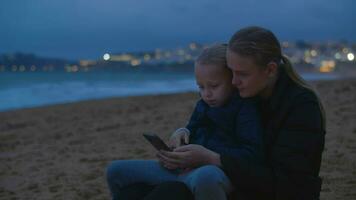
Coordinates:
156 142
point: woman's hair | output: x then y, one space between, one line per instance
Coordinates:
214 55
263 47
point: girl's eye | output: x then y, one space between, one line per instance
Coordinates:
214 86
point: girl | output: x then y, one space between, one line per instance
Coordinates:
221 124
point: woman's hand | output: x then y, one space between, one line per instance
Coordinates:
188 156
179 138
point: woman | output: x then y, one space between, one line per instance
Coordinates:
292 117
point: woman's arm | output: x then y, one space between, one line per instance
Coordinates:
296 154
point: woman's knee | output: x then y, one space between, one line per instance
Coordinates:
208 177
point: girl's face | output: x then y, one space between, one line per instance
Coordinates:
214 84
249 78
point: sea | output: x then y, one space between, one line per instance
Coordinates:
35 89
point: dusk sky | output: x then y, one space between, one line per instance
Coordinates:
86 29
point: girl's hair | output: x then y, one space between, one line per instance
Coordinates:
263 47
215 55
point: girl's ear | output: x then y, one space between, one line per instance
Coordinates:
272 68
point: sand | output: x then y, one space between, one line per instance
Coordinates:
61 151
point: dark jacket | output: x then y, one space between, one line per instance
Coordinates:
294 140
233 129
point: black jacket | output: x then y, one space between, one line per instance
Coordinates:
294 140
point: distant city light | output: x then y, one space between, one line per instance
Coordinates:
307 59
75 68
122 57
327 66
323 57
147 57
158 56
306 53
167 54
188 57
338 56
14 68
68 68
135 62
181 52
86 63
192 46
33 68
313 53
22 68
106 56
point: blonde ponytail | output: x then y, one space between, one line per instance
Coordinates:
297 79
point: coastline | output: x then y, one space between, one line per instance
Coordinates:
30 90
61 151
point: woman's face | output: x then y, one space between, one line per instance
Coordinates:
249 78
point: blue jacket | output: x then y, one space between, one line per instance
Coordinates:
232 130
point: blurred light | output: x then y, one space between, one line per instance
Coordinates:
306 53
135 62
181 52
307 59
350 56
14 68
22 68
167 54
313 53
86 63
147 57
192 46
158 56
33 68
327 66
75 68
338 56
345 50
106 56
68 68
188 57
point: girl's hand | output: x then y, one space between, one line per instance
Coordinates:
188 156
179 138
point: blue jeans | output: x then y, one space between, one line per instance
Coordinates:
206 182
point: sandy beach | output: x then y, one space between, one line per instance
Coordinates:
61 151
